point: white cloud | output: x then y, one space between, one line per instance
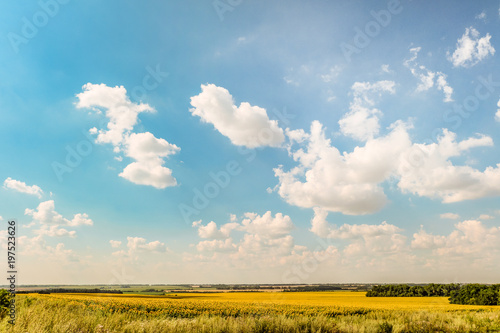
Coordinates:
148 151
19 186
146 148
361 122
485 217
122 113
135 244
258 247
157 176
350 183
245 125
322 228
80 219
55 231
470 240
364 240
428 78
265 240
451 216
267 225
427 171
45 214
346 183
216 245
471 49
444 87
210 230
424 240
37 247
115 244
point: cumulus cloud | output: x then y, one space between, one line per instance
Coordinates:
262 239
122 113
348 231
210 230
483 217
427 171
427 78
216 245
55 231
46 214
147 151
364 239
48 223
471 49
244 125
362 122
137 246
266 225
470 240
350 183
37 246
19 186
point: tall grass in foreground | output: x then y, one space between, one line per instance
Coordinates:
39 315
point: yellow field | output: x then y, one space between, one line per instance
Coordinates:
235 304
340 312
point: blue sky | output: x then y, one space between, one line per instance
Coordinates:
352 141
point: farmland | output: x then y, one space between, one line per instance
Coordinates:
341 311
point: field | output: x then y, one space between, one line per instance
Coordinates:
248 312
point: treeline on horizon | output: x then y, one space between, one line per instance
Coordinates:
70 290
468 294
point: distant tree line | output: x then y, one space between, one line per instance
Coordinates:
312 288
404 290
470 294
477 294
71 290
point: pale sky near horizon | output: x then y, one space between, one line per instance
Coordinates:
251 141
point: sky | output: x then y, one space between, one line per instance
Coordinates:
235 141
